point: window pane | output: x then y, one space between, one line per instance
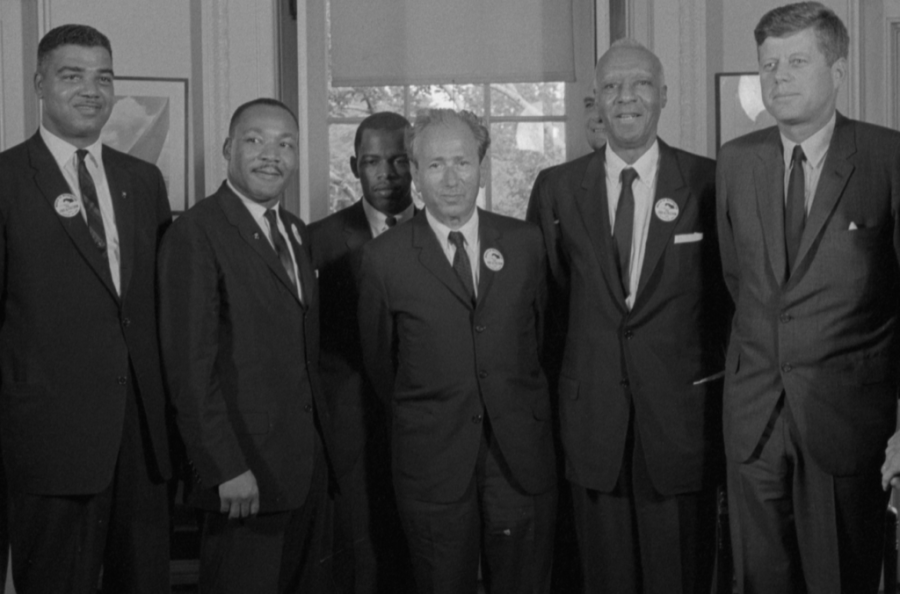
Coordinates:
528 99
352 102
457 97
518 152
343 187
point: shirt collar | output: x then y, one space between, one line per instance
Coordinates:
256 209
63 151
814 147
469 229
645 165
377 218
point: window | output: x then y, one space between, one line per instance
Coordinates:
526 122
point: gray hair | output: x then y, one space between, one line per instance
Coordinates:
631 43
429 118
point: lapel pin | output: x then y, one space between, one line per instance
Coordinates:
67 205
493 259
296 234
124 194
256 236
666 210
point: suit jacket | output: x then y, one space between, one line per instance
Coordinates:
69 344
241 352
672 337
442 364
827 337
336 251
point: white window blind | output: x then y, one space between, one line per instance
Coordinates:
397 42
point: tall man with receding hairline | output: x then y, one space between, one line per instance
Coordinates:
631 240
82 405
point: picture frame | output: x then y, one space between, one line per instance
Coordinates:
149 120
739 106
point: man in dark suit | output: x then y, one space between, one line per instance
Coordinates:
809 238
449 313
82 405
369 556
239 328
630 234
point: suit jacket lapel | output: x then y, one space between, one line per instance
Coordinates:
356 226
835 172
304 266
51 183
669 184
488 237
593 204
434 260
123 205
240 217
769 176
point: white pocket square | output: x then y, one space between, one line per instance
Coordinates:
853 226
688 237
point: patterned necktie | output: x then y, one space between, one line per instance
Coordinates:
281 247
795 208
623 229
91 203
461 263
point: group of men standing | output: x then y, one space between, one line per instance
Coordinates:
369 405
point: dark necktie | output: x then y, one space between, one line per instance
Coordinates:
390 221
281 247
91 203
795 208
623 229
461 263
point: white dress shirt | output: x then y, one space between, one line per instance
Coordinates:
377 219
469 232
644 189
815 148
65 157
258 212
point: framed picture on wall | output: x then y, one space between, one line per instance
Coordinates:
739 106
149 121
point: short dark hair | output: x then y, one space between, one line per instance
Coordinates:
429 118
793 18
261 101
82 35
383 120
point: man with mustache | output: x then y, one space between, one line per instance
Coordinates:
369 551
638 292
239 329
82 404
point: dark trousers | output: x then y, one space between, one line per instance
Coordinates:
635 540
370 553
495 522
271 553
59 544
796 528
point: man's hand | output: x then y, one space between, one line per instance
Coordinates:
239 496
890 470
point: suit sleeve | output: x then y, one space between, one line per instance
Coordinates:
163 210
189 333
376 327
726 232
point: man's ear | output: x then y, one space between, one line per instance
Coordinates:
39 84
226 149
354 166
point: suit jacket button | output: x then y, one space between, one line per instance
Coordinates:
629 334
787 367
482 374
126 322
785 318
480 328
477 419
623 383
307 408
121 380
